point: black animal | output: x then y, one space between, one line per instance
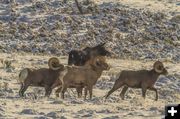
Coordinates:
80 57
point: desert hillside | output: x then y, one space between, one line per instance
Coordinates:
137 31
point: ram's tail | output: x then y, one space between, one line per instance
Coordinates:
23 75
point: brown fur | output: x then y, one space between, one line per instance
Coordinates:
144 79
44 77
83 76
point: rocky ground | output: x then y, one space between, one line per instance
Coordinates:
135 29
35 106
138 31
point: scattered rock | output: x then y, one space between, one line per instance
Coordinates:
134 33
29 111
87 115
153 108
111 117
63 117
52 114
42 113
1 115
57 102
77 102
175 19
41 117
104 111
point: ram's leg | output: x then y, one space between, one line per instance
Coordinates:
47 91
90 92
144 89
20 91
123 92
24 89
116 86
63 91
79 91
154 89
50 91
85 93
57 83
58 91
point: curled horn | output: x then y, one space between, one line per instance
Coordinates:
54 64
158 66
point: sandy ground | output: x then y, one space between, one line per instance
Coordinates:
134 106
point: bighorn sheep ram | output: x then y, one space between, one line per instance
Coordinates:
44 77
144 79
83 76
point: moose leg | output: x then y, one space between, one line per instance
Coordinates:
70 58
154 89
123 92
116 86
